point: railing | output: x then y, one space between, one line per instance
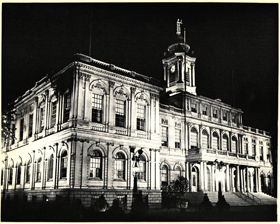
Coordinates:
211 151
121 131
242 156
249 197
222 152
98 127
231 153
251 157
253 197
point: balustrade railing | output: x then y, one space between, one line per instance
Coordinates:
242 156
220 152
251 157
231 153
121 131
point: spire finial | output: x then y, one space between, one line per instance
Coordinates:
179 26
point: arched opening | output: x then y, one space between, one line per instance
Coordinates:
234 144
95 165
263 186
64 163
234 180
215 141
119 168
28 171
195 182
142 169
50 170
269 184
39 165
19 173
205 139
164 176
225 143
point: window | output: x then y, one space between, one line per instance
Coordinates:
204 110
194 135
268 155
95 165
177 138
253 150
50 170
67 104
42 117
261 153
120 113
28 171
13 133
225 116
64 161
164 136
53 116
30 125
18 174
119 166
164 176
141 117
234 144
225 142
39 169
215 144
177 172
97 108
142 167
205 139
10 176
215 113
193 107
246 147
21 129
233 116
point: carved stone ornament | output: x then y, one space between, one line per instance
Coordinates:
141 96
121 91
98 84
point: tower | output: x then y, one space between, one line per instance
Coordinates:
179 67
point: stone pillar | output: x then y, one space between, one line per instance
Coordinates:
241 180
227 179
157 170
133 111
213 178
237 178
205 175
157 113
217 183
55 165
110 165
187 174
152 170
111 104
193 74
259 180
201 177
190 175
35 124
248 180
87 107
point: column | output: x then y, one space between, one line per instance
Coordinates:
259 180
109 168
201 177
199 137
35 105
87 108
187 174
237 178
213 178
205 175
190 175
133 112
248 180
157 113
152 170
217 183
55 165
157 170
193 74
241 181
227 179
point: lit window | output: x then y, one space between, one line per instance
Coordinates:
119 169
177 138
53 116
120 113
97 108
64 161
194 136
95 165
141 117
39 169
142 167
67 104
164 136
50 171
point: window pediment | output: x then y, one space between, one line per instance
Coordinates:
98 85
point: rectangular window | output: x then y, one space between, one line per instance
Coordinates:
204 111
42 119
120 113
193 108
164 136
225 116
141 117
233 118
30 126
97 108
119 169
177 138
67 104
253 150
261 153
95 167
53 118
215 113
246 148
21 129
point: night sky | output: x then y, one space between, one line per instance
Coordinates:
236 46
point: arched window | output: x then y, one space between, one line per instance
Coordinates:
67 106
233 144
42 116
18 173
141 117
50 170
215 143
64 163
177 172
194 135
120 112
119 168
97 108
95 165
28 171
53 113
225 142
142 167
39 165
164 176
205 140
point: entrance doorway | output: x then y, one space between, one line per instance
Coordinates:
194 179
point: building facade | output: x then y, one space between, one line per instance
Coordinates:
76 133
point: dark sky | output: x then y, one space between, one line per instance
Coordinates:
236 46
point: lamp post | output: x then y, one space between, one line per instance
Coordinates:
135 167
219 166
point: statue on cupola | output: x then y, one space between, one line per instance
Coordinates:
179 67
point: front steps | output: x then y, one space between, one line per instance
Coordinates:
195 198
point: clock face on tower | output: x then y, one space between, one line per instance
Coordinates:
172 69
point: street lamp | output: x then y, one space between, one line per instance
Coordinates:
219 166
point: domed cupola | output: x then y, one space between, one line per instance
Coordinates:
179 73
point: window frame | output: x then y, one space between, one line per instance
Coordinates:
117 162
141 117
120 113
96 154
63 169
97 107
